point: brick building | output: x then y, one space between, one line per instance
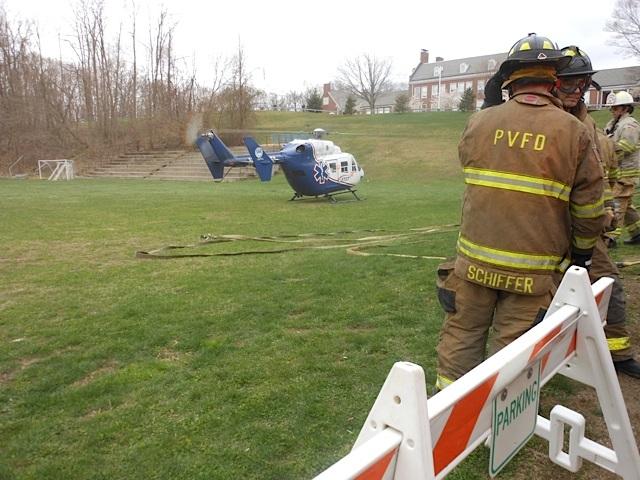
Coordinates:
439 85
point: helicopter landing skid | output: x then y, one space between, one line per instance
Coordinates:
330 196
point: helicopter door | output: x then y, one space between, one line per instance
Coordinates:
333 169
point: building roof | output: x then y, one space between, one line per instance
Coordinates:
457 67
617 77
609 78
340 97
385 99
389 98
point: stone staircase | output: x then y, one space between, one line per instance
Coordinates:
167 165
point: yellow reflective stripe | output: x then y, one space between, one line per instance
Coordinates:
620 343
442 382
633 228
515 182
627 146
591 210
628 172
584 243
507 258
564 264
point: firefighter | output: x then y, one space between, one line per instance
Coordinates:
573 82
625 132
533 195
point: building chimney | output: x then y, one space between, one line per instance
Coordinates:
439 59
424 56
326 88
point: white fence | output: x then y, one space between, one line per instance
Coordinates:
407 436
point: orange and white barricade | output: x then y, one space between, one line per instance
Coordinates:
407 436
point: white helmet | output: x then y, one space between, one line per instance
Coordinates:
620 98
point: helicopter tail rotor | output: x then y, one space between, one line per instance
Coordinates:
214 164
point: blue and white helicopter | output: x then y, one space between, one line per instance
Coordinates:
313 167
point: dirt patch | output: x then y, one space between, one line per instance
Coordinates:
24 363
170 354
109 407
534 461
92 376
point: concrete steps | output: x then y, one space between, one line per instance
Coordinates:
167 165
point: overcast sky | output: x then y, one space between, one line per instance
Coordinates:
293 45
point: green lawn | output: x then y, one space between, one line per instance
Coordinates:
252 367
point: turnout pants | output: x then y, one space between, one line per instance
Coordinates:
470 311
627 215
616 328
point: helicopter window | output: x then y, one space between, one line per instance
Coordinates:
354 167
344 167
332 167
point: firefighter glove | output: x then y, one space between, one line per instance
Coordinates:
581 260
610 222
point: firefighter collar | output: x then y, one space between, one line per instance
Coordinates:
536 99
579 111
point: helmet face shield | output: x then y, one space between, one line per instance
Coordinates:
571 84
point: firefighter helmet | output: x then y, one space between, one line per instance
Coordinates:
620 98
579 63
531 50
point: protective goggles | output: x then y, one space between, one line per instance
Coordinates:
570 84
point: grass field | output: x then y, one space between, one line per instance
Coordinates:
246 367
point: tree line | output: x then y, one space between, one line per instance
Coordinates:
126 91
111 96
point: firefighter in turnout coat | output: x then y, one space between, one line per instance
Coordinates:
573 81
625 132
533 196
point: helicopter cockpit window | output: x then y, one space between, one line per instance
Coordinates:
344 167
354 167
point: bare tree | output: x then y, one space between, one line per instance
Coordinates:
625 25
277 102
239 94
109 97
367 77
134 73
294 100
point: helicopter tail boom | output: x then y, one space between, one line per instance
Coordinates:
217 156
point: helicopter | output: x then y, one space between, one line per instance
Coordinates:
312 167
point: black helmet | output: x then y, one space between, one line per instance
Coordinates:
531 50
579 63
